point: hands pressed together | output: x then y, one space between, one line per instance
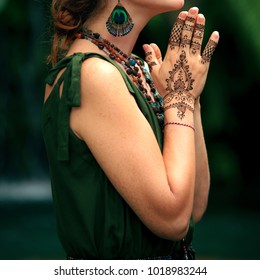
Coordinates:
180 77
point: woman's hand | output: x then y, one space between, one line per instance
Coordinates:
183 71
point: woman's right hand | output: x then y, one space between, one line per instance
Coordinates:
183 71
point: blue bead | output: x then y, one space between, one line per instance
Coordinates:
132 62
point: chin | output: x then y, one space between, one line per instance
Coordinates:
162 6
174 5
179 4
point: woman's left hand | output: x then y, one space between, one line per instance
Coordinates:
184 68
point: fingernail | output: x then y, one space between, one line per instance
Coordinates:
183 15
194 10
200 18
216 35
145 47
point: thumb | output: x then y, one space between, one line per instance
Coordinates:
150 57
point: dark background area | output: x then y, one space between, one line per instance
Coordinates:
230 228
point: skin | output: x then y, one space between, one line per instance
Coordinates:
164 189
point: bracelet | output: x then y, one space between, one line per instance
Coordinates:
183 124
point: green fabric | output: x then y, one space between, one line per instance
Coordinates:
93 221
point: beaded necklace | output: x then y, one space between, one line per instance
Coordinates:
129 64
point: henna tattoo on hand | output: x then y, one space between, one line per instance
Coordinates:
188 30
148 55
185 41
175 37
188 27
149 60
208 51
151 65
178 88
197 38
191 19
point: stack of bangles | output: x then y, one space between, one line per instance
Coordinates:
177 123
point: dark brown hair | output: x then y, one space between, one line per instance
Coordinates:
68 18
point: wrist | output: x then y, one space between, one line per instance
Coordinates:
197 104
173 115
183 103
180 124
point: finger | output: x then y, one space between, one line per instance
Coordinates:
198 34
210 48
188 27
157 52
175 37
150 57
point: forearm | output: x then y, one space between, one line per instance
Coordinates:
180 78
202 181
179 159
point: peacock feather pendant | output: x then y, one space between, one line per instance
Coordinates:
119 22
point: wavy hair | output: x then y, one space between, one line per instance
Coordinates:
68 18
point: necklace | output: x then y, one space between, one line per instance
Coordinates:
132 67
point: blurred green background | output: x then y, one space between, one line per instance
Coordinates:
230 228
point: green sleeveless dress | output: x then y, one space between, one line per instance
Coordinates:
93 220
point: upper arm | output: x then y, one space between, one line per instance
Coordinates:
123 143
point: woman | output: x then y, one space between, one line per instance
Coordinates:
127 157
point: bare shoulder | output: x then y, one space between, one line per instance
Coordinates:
97 70
102 79
103 92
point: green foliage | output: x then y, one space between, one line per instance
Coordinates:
23 50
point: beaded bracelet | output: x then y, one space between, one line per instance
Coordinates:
177 123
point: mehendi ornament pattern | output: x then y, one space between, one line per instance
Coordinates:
208 51
149 60
179 85
188 28
175 37
197 38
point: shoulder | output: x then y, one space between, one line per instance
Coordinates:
101 76
98 67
